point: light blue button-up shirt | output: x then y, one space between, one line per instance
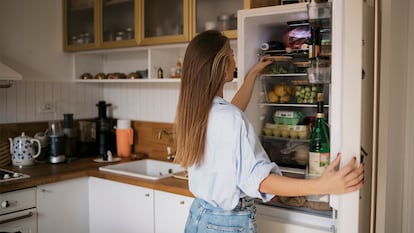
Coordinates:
235 162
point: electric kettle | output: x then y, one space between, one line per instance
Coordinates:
22 150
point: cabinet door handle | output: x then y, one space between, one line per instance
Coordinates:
30 214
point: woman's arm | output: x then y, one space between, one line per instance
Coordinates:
332 181
242 97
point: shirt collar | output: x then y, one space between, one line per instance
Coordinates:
219 100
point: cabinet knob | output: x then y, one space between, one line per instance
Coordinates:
182 202
147 194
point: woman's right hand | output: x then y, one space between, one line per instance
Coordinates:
345 180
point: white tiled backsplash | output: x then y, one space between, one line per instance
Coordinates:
136 101
23 101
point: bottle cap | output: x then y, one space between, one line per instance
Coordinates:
319 97
123 124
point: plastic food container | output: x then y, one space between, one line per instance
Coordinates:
280 65
306 94
287 131
287 117
279 93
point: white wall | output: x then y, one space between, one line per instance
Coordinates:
31 43
21 102
31 39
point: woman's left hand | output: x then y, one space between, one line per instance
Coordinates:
347 179
260 65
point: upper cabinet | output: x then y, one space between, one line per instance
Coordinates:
100 24
119 23
216 14
165 21
80 24
93 24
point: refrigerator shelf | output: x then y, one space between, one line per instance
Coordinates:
264 104
265 76
290 52
305 209
284 139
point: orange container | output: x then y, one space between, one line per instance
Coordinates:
124 141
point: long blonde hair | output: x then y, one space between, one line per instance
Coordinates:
204 70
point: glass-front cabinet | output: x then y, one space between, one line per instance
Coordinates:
216 14
80 19
119 23
165 21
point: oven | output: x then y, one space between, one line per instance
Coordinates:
18 212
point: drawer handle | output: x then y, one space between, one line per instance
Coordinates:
182 202
30 214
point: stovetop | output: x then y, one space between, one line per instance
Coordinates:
6 175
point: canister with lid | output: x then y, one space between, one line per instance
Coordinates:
124 138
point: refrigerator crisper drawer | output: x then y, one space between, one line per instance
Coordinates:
291 89
316 205
287 153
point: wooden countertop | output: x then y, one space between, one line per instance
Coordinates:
50 173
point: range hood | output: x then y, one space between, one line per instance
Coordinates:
7 75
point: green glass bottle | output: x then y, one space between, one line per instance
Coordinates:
319 148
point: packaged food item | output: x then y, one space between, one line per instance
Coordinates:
287 117
295 37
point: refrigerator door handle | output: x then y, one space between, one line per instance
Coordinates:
364 154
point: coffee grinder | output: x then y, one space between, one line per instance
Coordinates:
56 142
105 135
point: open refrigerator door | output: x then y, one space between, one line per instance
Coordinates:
283 104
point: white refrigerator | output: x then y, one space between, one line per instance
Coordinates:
349 106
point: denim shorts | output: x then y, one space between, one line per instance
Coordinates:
205 218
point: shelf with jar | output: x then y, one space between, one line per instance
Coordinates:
126 65
133 65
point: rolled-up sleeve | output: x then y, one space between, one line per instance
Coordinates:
253 164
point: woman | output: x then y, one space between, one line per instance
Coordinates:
227 166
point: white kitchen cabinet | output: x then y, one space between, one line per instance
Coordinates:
120 207
63 207
171 211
